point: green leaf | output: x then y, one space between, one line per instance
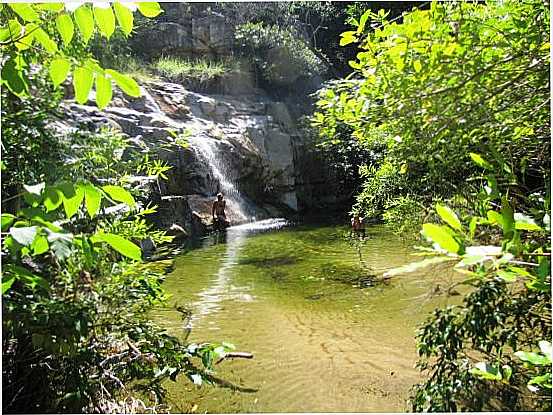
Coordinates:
59 68
479 161
533 358
72 200
363 21
126 83
103 91
486 371
40 245
119 194
53 7
44 39
347 38
524 222
6 284
472 226
124 17
417 65
120 244
441 236
12 31
85 22
507 275
93 199
7 220
25 11
83 79
24 235
149 9
105 20
65 27
449 216
13 78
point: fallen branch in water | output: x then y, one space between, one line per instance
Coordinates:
235 355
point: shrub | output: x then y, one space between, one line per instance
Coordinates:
279 55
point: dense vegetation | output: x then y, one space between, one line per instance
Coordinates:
75 291
436 118
458 97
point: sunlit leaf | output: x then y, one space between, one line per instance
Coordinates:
149 9
120 244
83 79
24 235
449 216
59 69
7 220
85 22
105 20
25 11
65 27
93 199
124 17
119 194
103 91
126 83
441 236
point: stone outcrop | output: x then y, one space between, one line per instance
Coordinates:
245 139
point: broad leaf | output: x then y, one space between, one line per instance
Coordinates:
59 69
126 83
524 222
13 78
24 235
6 284
83 79
533 358
441 236
149 9
7 220
53 198
93 199
449 216
73 197
105 20
120 244
44 39
103 91
119 194
40 245
25 11
85 22
479 161
124 17
65 27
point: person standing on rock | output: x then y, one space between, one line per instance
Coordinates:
218 212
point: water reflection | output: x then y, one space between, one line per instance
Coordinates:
209 300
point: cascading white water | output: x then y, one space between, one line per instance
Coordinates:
205 148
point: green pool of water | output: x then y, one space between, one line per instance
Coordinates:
320 344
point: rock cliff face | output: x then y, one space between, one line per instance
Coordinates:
239 144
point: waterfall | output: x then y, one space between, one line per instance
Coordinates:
207 150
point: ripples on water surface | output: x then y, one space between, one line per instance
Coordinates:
319 344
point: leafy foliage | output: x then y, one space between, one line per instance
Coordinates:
459 78
31 35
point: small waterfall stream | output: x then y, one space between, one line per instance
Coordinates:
207 150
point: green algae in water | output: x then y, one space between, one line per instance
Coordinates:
319 344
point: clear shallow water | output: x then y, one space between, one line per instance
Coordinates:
319 344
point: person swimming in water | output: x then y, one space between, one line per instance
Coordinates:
218 212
